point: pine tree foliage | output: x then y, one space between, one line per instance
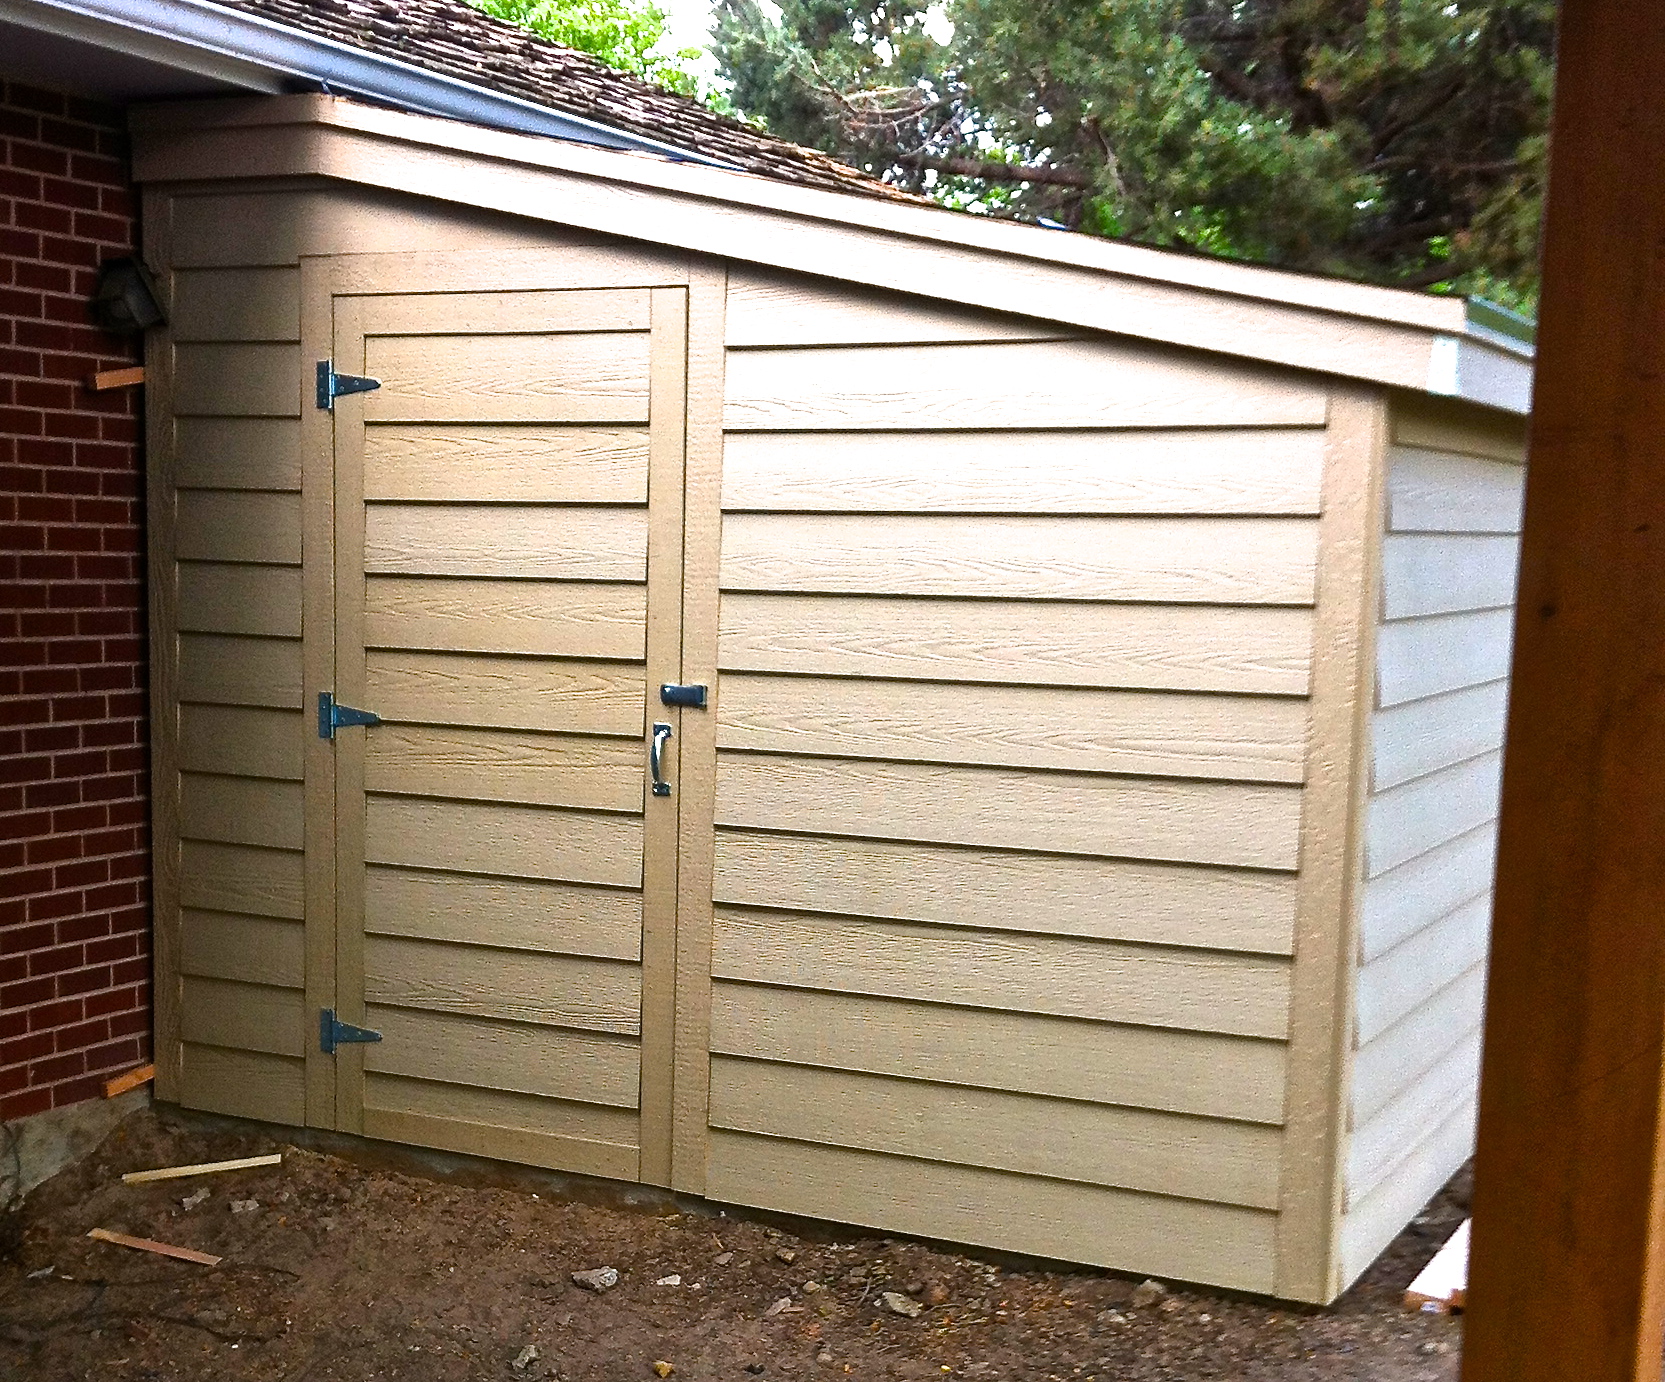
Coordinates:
1395 141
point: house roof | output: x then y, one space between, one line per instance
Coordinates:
455 40
1436 345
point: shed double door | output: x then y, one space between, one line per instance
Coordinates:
506 562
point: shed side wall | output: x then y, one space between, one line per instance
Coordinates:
1016 636
1450 551
232 1023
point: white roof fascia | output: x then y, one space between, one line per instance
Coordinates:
1383 335
261 55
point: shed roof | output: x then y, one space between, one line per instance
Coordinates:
456 40
1415 341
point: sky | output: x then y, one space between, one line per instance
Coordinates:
688 25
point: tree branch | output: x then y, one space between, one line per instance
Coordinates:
993 170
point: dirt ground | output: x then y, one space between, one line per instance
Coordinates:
350 1269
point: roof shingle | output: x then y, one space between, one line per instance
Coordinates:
455 40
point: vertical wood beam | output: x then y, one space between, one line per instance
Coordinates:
1333 804
163 575
1565 1271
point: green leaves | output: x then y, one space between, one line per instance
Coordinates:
621 34
1399 141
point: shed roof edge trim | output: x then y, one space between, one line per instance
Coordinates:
242 48
1376 334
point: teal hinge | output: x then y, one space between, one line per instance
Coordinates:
332 1032
332 386
332 715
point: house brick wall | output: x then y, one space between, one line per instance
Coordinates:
74 860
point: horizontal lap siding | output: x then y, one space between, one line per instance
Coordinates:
238 390
241 728
1448 577
1015 642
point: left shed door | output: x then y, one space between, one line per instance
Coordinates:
507 567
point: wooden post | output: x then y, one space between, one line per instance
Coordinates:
1565 1275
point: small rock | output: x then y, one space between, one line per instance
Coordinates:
41 1273
1111 1317
899 1304
328 1225
1432 1347
811 1287
662 1369
596 1279
674 1279
722 1259
244 1206
1205 1319
780 1307
785 1255
1148 1293
525 1358
824 1356
754 1368
192 1200
935 1293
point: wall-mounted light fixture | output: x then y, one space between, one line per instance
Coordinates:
125 300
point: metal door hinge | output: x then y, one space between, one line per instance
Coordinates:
333 1032
332 386
332 716
672 694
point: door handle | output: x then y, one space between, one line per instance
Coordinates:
656 760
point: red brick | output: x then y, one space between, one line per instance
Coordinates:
135 1022
47 1016
81 1035
116 1002
24 1103
56 1068
27 1048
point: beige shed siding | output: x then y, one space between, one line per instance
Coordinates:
231 874
1454 491
1015 640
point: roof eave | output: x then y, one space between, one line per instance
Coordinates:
1402 340
259 55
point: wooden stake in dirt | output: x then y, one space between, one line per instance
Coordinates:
131 1080
201 1168
1442 1284
125 1240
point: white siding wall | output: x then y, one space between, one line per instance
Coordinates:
1448 578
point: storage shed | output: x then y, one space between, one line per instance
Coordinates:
1084 844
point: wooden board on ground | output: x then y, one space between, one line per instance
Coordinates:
1443 1283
